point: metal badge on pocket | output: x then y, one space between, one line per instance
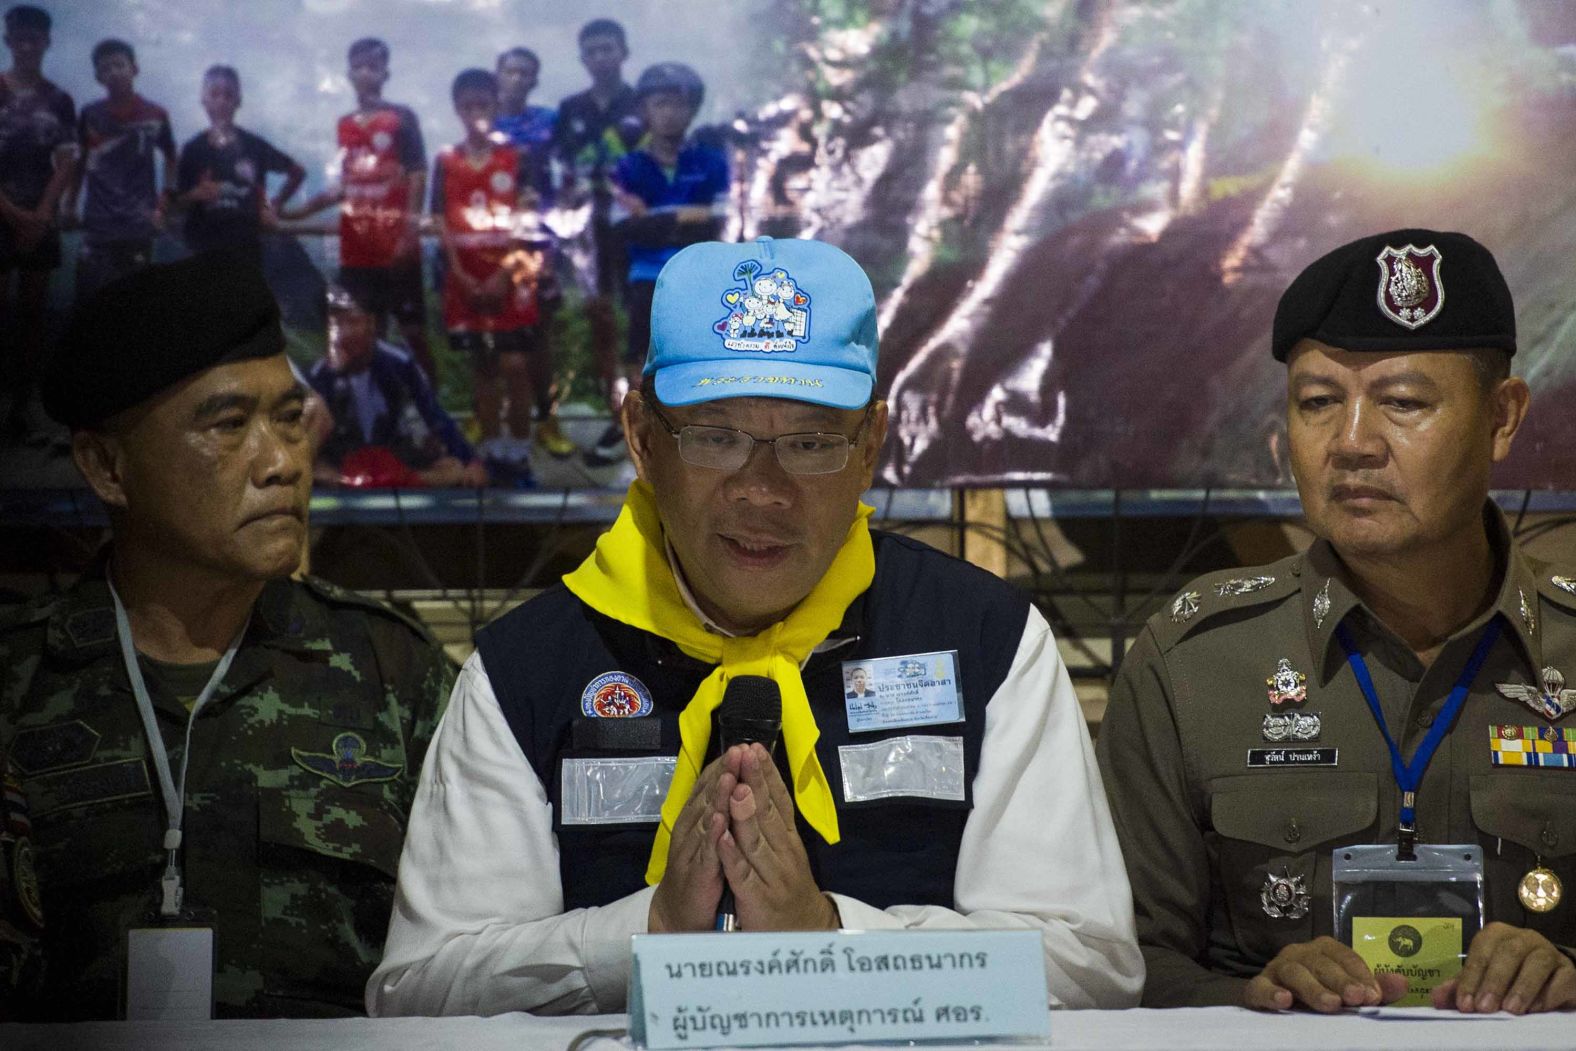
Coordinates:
615 790
913 765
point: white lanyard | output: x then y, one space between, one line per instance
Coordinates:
174 795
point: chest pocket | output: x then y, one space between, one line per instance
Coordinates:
328 858
1274 832
1526 816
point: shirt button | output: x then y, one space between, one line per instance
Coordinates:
1550 838
1293 831
1425 720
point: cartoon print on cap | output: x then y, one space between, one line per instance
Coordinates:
768 313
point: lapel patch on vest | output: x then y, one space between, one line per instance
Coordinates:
55 747
346 767
615 695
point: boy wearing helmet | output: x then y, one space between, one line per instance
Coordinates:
666 194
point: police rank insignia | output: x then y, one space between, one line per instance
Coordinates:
1287 686
769 312
1185 606
346 767
1526 613
1242 585
1280 727
1410 291
1285 896
1564 583
615 695
1551 702
1321 605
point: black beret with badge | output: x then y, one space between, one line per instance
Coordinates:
147 331
1402 290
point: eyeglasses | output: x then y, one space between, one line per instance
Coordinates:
728 449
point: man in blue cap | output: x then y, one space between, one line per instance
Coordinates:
575 797
1399 686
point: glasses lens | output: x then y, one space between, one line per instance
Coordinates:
720 448
812 453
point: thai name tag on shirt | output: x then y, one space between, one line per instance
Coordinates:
917 689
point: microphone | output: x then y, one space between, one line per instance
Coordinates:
751 712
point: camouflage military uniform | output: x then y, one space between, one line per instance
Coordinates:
302 768
1206 833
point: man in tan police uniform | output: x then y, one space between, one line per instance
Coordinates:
1239 749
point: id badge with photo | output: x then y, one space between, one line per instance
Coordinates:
1415 918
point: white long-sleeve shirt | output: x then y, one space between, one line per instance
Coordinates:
479 925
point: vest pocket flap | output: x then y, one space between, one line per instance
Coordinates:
1300 810
1529 808
364 830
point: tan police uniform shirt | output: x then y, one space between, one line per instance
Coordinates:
1207 832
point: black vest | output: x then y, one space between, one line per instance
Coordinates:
897 851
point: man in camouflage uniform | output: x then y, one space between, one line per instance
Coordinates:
186 421
1238 750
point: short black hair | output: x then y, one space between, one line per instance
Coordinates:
112 46
473 80
521 52
25 17
1492 366
223 72
603 27
364 45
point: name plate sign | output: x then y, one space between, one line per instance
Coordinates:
808 987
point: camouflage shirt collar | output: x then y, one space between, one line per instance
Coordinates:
82 627
1327 599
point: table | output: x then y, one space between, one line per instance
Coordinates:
1182 1029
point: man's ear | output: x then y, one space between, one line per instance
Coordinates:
638 432
870 445
100 457
1512 398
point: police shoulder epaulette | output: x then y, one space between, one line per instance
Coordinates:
335 595
1223 591
1556 583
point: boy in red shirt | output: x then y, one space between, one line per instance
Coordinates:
490 306
383 181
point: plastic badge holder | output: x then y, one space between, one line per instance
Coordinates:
1416 918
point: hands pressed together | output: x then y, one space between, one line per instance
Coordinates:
737 830
1507 968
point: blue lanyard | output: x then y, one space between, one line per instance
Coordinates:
1409 775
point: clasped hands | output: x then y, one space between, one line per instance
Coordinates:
737 831
1507 968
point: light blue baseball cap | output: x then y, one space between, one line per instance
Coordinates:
766 318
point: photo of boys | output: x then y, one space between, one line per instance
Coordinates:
37 145
124 208
388 429
382 185
595 128
490 310
222 176
666 194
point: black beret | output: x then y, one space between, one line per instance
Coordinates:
147 331
1402 290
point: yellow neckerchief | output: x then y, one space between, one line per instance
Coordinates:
628 578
